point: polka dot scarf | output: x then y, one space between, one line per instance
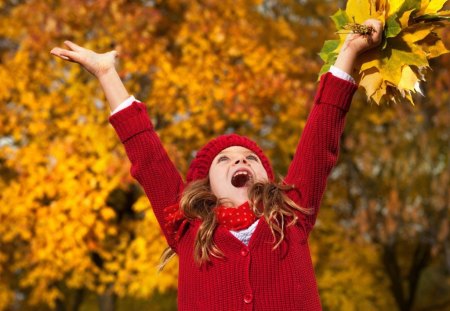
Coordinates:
232 218
235 218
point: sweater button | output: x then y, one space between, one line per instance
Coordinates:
248 298
244 252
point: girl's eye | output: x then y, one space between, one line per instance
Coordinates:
222 158
252 157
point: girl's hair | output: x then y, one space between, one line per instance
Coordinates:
266 199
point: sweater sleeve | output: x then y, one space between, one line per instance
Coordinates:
150 163
318 148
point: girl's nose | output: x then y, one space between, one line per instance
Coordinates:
239 160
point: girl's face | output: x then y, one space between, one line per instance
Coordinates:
231 173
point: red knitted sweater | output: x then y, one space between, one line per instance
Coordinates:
252 277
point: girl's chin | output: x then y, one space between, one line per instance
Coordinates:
234 194
240 191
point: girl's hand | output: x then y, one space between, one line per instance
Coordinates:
101 66
357 43
97 64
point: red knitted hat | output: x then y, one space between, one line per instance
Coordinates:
199 167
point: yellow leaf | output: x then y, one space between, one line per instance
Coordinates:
423 7
378 95
408 79
371 59
437 49
394 6
434 6
417 33
391 69
404 19
433 46
360 10
371 82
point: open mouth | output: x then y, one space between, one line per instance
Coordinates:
241 178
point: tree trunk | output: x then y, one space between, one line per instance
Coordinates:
393 271
60 305
405 300
107 300
78 299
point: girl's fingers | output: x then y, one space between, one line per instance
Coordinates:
73 46
65 54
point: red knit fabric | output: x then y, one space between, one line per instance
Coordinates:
253 277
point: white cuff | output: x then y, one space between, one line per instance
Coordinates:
126 103
335 71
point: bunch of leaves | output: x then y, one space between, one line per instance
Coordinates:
393 71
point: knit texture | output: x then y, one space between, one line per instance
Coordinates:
199 167
253 276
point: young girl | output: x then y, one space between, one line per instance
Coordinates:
241 238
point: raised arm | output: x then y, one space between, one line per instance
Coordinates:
150 164
318 148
